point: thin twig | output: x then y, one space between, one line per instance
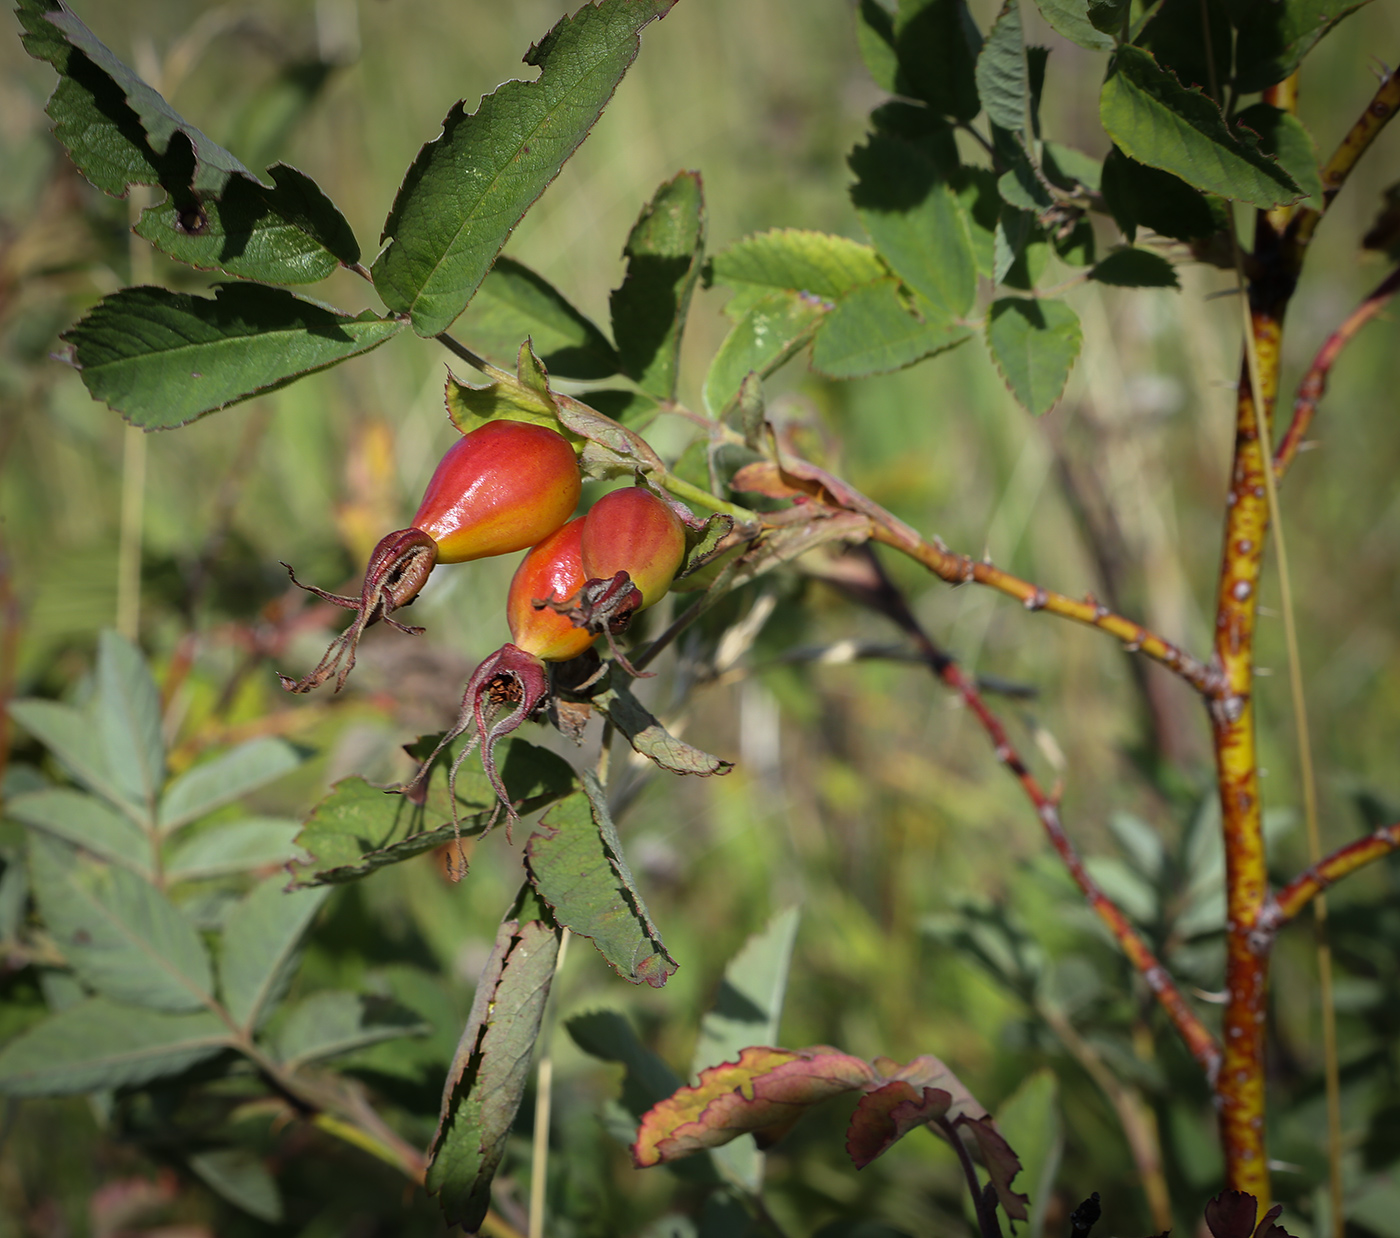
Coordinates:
1308 884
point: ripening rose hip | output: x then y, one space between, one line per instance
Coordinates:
505 486
552 571
633 531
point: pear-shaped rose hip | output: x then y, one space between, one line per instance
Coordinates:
633 531
551 572
504 486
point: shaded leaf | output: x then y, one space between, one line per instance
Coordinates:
1275 35
514 303
336 1021
1071 19
492 1064
576 864
468 188
86 822
1180 41
128 719
1030 1121
872 332
471 405
163 359
935 45
1231 1214
100 1044
916 222
1135 268
1034 344
291 234
608 1035
359 828
261 947
1141 196
122 936
73 738
888 1113
775 327
649 738
1153 118
1067 166
242 1178
663 252
233 847
1003 82
1284 136
212 784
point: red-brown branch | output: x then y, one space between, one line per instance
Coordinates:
1314 383
1311 882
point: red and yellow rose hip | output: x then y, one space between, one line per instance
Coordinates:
505 486
633 531
552 572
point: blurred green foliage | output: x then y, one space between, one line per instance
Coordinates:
933 920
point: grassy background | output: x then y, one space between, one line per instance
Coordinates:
859 793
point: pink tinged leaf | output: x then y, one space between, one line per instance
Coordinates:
765 1092
1231 1214
887 1114
1001 1163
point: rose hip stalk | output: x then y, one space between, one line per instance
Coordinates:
588 578
503 487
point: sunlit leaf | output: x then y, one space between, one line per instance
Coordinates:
872 331
1003 82
1034 344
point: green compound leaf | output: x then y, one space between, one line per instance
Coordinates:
1137 195
664 252
336 1021
85 821
1183 35
1135 268
492 1064
74 738
128 721
262 946
636 725
468 188
227 847
218 215
121 935
775 327
241 1177
1159 122
576 864
1284 136
291 234
101 1044
790 260
1034 344
927 50
1071 19
212 784
1275 35
163 359
916 222
1003 81
359 828
872 331
514 304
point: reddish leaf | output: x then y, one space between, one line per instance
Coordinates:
1231 1214
888 1114
1001 1163
765 1091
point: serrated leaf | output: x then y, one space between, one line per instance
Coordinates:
664 252
1275 35
872 332
1003 82
775 327
915 221
232 847
468 188
514 303
504 397
163 359
1180 40
122 936
86 822
977 192
289 234
1014 230
261 947
101 1044
817 264
1284 136
1029 1119
746 1011
1141 196
649 738
1157 121
577 866
335 1021
1034 344
1135 268
876 40
1071 19
128 720
228 777
936 45
73 738
241 1177
359 828
489 1072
